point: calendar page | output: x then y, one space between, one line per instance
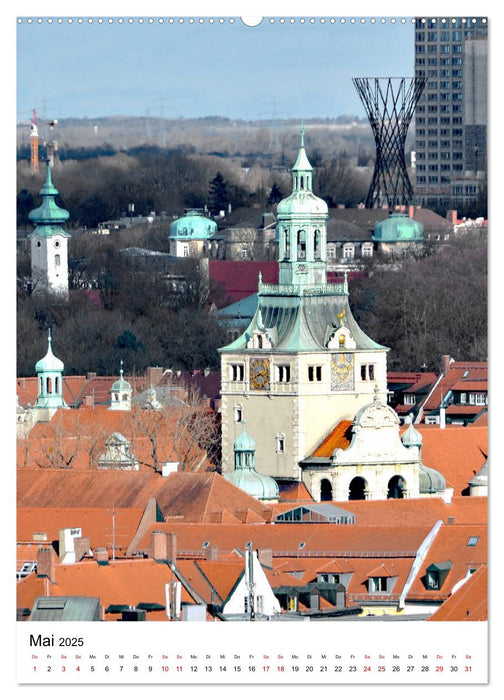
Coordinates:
251 356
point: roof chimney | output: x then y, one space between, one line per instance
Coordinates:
446 360
101 556
265 557
163 546
46 563
212 552
154 375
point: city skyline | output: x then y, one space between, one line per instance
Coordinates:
194 69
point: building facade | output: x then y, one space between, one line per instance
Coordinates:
451 114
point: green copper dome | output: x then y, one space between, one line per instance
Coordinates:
396 228
430 480
193 225
411 437
49 363
121 384
244 443
49 216
245 476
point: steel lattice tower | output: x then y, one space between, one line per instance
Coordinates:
389 103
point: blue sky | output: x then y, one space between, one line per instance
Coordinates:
197 69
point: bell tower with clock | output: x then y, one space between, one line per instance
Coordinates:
303 364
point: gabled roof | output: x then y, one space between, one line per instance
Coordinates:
200 497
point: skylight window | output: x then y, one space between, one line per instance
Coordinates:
472 541
301 545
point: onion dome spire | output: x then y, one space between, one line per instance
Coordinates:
49 213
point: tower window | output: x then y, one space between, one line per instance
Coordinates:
315 373
238 414
280 443
57 260
301 245
283 373
316 245
367 372
236 372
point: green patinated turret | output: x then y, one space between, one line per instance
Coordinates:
50 379
245 476
301 228
430 480
120 393
303 309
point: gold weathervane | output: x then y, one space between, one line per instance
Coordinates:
341 317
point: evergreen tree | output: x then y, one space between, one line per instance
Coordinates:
275 194
218 197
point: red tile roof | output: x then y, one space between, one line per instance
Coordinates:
294 491
457 452
321 540
190 497
452 544
411 511
126 582
469 603
340 437
103 526
455 374
77 438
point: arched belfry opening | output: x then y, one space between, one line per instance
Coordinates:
357 489
325 490
396 487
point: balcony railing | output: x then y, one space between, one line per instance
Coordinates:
303 290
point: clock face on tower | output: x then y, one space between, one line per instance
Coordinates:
259 374
342 371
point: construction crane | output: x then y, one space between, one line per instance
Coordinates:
50 145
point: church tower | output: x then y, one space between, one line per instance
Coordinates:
49 243
303 364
